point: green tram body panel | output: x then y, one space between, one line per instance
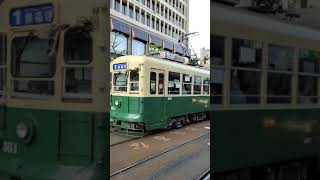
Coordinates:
155 112
69 145
248 138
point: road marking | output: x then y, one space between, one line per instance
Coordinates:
207 127
177 132
192 129
138 146
161 138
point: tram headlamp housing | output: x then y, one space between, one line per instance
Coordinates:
22 130
117 103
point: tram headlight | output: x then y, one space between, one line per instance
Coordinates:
117 103
22 130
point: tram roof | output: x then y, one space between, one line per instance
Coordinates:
237 16
159 62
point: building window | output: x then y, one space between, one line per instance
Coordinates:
117 5
153 23
148 20
148 3
143 19
118 44
157 26
138 47
131 12
174 83
137 15
153 6
124 8
143 2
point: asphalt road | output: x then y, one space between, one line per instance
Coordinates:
187 162
195 153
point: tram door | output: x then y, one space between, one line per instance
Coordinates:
158 77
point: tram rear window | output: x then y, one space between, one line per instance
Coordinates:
120 82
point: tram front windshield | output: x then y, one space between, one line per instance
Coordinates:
121 79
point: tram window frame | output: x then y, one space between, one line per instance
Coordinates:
206 86
251 48
161 81
308 80
279 75
217 69
245 86
114 83
188 83
134 82
153 83
173 83
51 63
69 46
196 83
86 80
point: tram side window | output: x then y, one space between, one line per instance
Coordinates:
161 83
187 84
174 83
197 85
153 83
217 69
78 81
78 47
245 87
217 42
206 85
134 81
279 81
246 53
280 58
308 80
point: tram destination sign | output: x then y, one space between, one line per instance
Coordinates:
32 15
120 66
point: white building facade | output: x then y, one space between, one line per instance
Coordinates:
138 25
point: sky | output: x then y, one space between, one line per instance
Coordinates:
199 21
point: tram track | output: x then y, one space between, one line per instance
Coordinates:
151 157
205 175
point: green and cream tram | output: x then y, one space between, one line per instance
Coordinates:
150 93
265 100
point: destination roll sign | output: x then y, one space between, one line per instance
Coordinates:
32 15
120 66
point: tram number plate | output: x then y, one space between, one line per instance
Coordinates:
10 147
